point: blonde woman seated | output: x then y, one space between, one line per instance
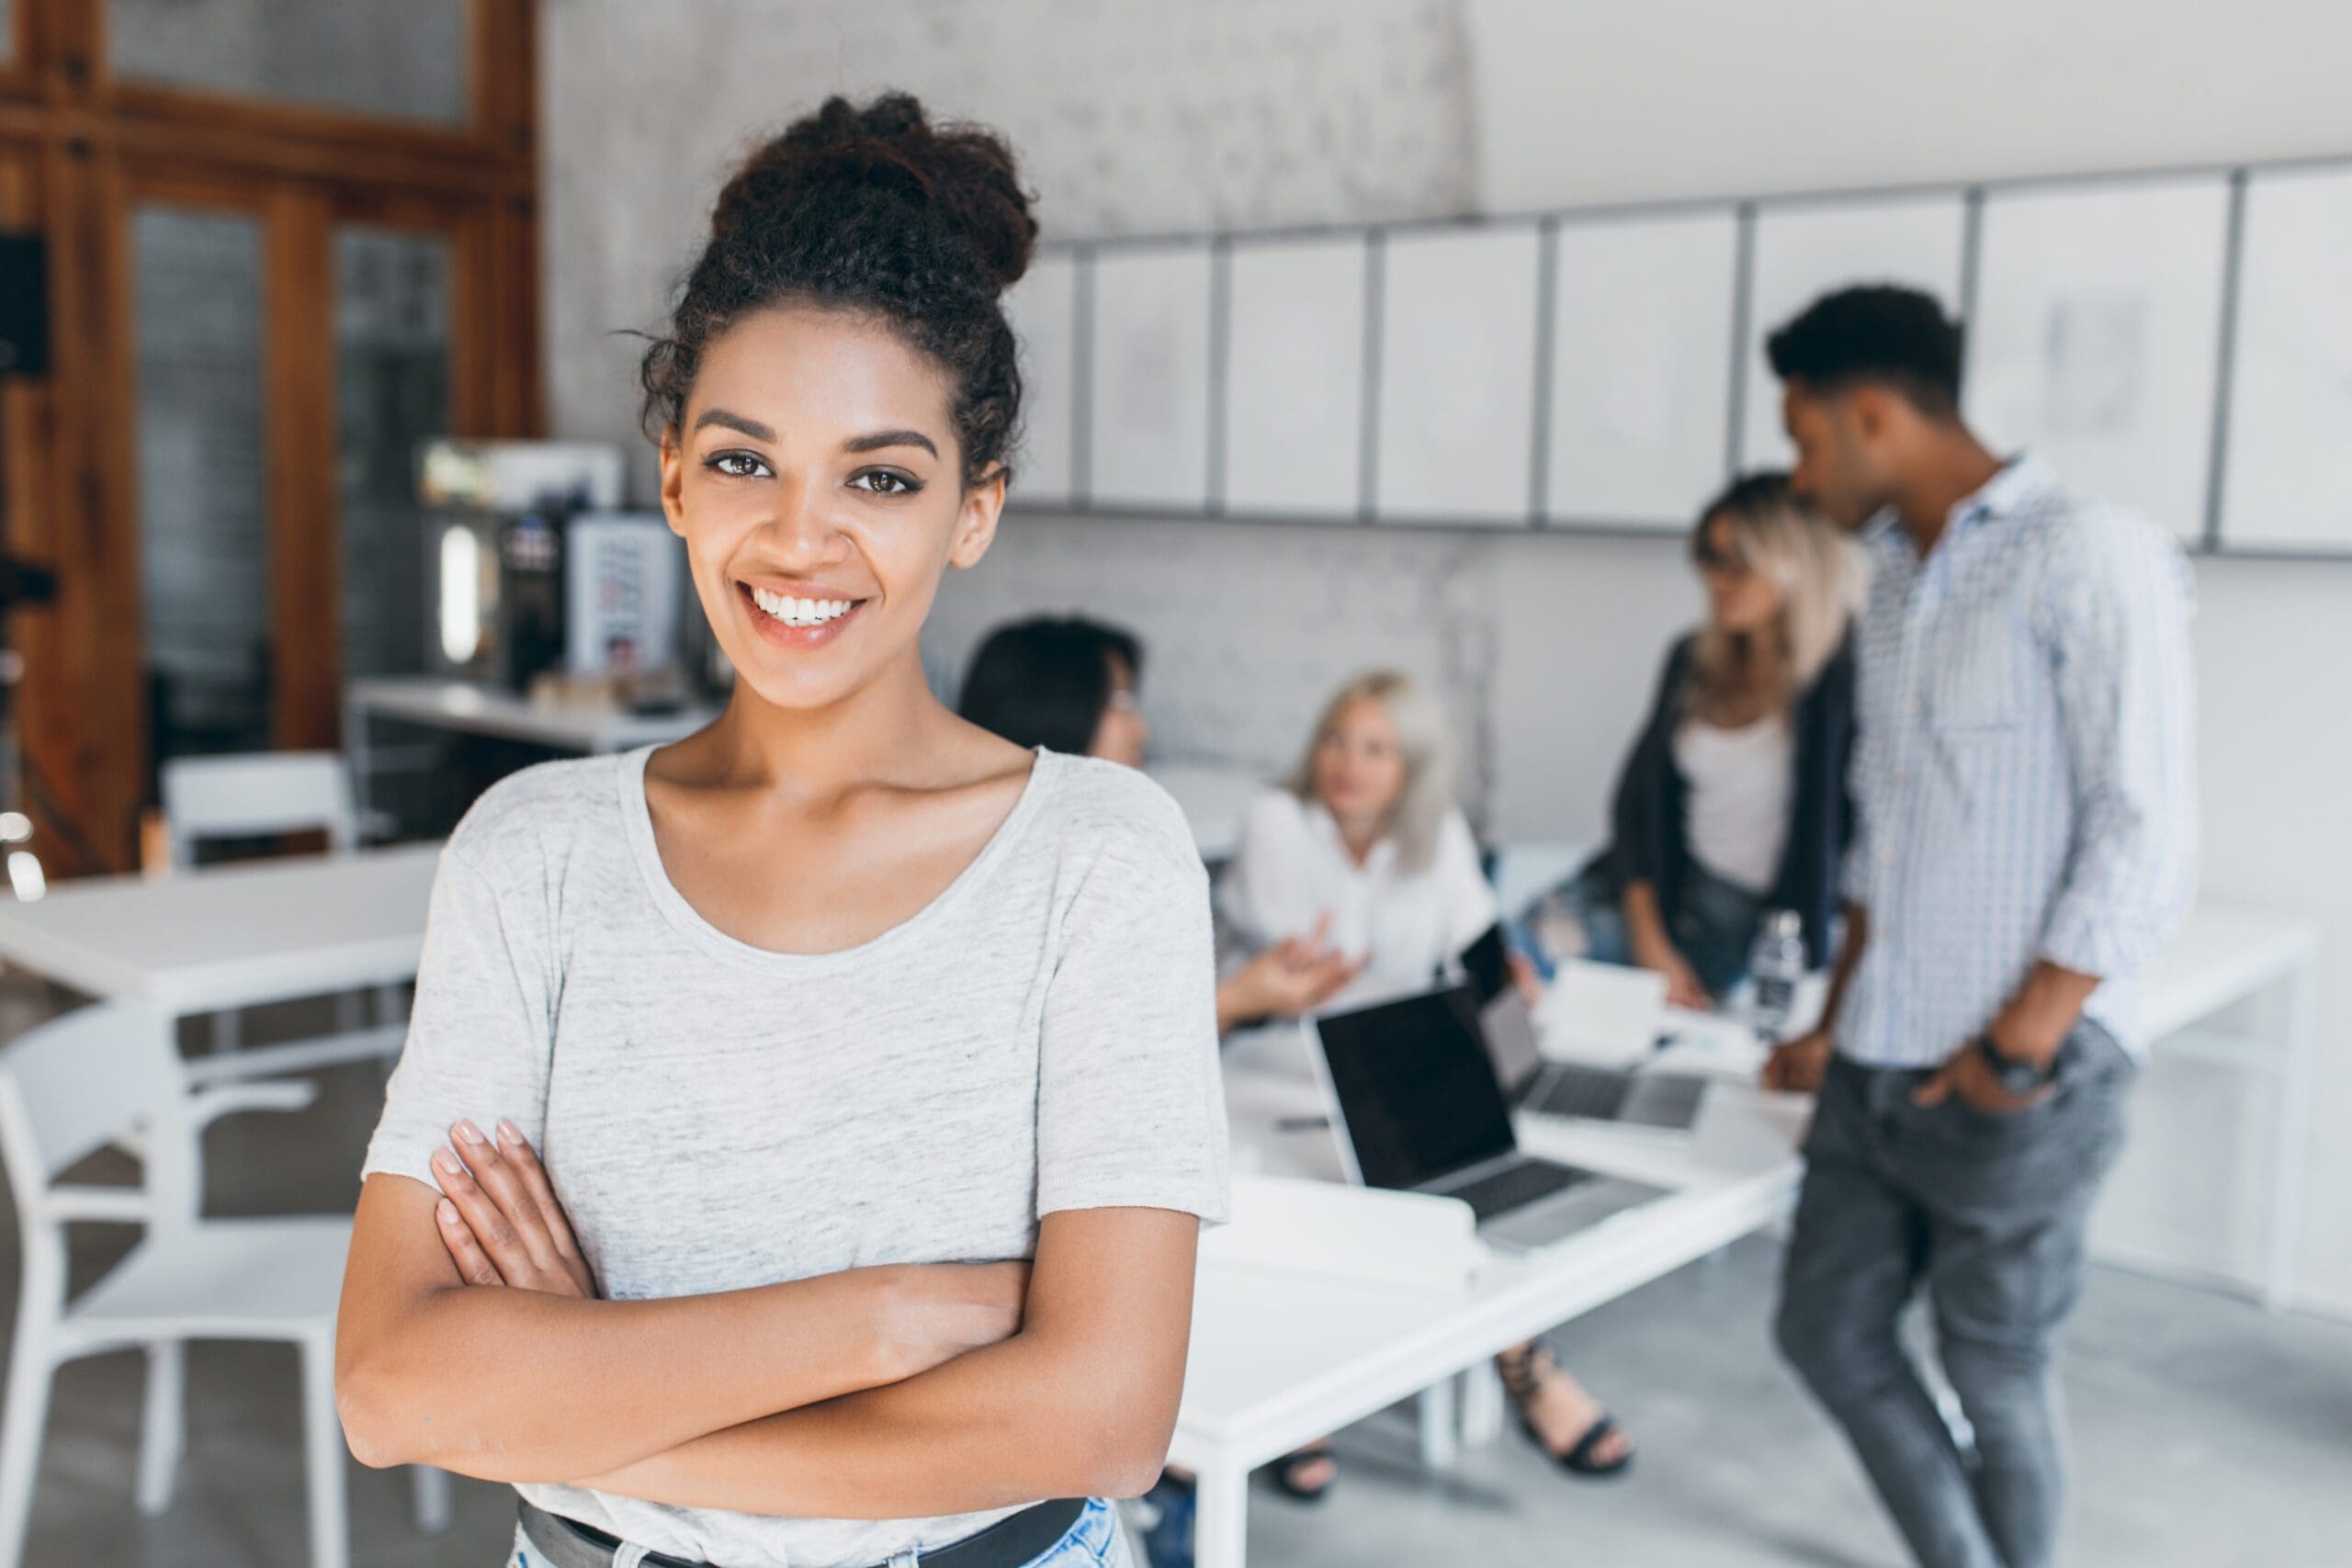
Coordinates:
1366 834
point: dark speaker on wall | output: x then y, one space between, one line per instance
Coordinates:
24 305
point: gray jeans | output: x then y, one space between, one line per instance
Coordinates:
1987 1212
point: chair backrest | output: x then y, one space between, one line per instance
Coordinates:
74 1084
256 793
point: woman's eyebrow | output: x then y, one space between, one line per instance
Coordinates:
882 438
736 422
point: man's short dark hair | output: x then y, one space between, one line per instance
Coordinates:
1879 335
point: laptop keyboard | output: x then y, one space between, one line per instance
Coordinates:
1571 1090
1673 1100
1515 1186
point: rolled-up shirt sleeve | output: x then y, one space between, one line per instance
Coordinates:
2115 615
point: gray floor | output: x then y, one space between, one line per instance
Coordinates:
2208 1432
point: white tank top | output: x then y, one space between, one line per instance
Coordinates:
1737 785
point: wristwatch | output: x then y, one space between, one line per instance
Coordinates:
2014 1076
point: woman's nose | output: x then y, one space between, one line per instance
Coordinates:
802 529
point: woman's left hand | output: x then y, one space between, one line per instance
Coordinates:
499 1217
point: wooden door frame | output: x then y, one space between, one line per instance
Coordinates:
75 145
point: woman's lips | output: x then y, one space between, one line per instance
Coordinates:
800 639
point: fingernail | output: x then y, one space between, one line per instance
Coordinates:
469 1133
446 1163
447 1211
509 1132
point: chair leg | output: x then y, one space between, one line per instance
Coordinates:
22 1425
163 1437
227 1028
323 1457
348 1011
432 1488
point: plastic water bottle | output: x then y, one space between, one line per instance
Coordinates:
1775 965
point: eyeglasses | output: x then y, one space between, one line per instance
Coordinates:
1719 563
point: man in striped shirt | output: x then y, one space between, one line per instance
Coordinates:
2024 842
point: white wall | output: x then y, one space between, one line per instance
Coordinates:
1650 99
1127 118
1227 114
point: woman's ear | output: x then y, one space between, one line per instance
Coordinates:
976 521
673 481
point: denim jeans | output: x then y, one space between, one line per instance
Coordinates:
1093 1540
1713 927
1986 1213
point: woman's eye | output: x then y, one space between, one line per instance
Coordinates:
737 464
882 481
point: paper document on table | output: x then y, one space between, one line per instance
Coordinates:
1714 1044
1287 1226
1605 1014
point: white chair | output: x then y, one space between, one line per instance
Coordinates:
255 794
252 793
70 1086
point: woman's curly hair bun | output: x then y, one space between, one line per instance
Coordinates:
872 209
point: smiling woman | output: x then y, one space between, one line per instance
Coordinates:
851 1071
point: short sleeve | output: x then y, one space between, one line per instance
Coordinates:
1130 1106
480 1031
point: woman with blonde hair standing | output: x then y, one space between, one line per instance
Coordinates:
1732 800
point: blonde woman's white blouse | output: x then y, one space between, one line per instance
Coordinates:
1293 867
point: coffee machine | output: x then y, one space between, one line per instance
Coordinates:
497 514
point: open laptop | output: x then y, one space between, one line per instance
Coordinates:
1668 1100
1418 1108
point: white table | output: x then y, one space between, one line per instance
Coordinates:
472 708
235 936
1280 1360
2224 957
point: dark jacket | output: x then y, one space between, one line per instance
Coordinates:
1646 815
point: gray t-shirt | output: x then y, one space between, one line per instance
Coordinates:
1041 1036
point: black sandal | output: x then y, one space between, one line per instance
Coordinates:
1285 1473
1522 1376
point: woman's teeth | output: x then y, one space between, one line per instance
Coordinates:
801 612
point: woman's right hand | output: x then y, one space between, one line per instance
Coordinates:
1294 975
1682 986
500 1218
931 1313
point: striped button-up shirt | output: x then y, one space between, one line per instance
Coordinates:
2023 779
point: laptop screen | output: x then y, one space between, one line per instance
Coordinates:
1415 1087
1509 1030
1483 961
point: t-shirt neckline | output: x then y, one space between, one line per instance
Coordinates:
638 821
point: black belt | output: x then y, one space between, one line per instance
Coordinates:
1008 1543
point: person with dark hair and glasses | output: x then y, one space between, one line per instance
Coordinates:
2025 841
1071 686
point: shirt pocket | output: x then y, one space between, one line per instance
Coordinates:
1981 681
